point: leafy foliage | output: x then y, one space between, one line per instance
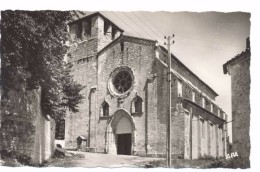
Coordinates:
14 158
33 48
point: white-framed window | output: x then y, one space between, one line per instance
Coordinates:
203 102
193 96
211 107
179 87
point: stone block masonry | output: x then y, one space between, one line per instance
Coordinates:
83 56
195 137
125 77
241 110
238 69
24 130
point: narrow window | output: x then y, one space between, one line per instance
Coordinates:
122 46
79 30
137 105
113 33
203 128
193 96
86 25
106 26
105 109
211 108
89 27
179 89
72 32
203 102
221 114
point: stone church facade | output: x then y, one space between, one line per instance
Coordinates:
126 99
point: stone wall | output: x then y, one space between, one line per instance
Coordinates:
191 85
178 67
240 86
83 56
77 124
24 130
204 140
204 132
137 55
178 118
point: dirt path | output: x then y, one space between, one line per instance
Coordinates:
106 160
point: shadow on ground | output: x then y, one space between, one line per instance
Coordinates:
86 159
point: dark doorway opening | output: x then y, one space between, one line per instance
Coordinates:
124 144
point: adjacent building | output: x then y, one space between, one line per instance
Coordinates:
238 69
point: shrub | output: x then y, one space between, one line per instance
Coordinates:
207 157
14 158
221 163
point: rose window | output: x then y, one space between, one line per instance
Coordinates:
122 81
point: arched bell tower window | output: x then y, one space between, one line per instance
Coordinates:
137 106
104 109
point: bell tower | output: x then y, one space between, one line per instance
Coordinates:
94 27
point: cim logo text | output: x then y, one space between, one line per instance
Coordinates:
232 155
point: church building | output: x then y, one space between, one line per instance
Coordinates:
126 97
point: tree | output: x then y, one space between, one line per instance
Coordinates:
33 49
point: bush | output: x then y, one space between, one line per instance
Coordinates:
59 153
13 158
221 163
24 159
207 157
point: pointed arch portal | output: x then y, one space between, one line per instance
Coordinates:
120 134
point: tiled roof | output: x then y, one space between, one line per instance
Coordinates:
234 59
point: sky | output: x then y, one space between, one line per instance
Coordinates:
202 41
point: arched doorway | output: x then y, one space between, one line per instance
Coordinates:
124 136
120 135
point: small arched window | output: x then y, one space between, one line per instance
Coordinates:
137 105
122 46
104 110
